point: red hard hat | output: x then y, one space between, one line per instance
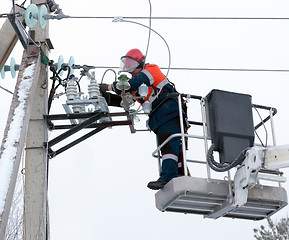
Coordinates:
136 54
132 60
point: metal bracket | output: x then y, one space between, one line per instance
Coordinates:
246 176
126 108
73 130
49 44
90 121
19 30
32 51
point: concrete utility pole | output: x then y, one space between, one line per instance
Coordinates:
12 141
35 201
33 129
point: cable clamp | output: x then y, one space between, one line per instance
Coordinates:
118 19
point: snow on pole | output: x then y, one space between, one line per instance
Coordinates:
13 136
16 130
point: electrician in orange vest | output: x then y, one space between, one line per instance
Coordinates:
164 117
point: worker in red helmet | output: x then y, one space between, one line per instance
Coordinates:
164 116
134 59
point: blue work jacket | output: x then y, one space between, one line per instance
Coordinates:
166 111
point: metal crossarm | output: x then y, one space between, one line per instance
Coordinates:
91 120
75 129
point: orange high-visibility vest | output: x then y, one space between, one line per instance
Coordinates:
156 77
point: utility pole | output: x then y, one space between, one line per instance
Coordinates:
36 165
32 128
13 144
19 116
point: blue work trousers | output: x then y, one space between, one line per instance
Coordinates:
172 151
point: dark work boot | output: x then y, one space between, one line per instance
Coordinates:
156 185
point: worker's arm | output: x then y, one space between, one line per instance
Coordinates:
134 83
111 99
138 80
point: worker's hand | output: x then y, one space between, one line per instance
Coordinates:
113 88
103 87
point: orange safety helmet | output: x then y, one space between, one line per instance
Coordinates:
132 60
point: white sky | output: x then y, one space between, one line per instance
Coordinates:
97 190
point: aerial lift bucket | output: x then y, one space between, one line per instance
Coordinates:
214 198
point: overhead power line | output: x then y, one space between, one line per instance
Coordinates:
187 18
5 15
233 69
211 18
214 69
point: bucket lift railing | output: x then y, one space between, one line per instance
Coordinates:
206 137
205 134
272 112
183 135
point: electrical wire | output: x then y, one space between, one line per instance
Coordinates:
223 167
22 4
150 27
169 52
6 90
165 17
211 18
136 111
232 69
110 69
214 69
183 18
179 18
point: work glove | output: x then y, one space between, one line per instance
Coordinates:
113 86
103 87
